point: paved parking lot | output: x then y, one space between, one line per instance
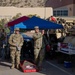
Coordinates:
49 68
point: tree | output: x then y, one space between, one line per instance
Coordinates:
30 15
17 16
3 22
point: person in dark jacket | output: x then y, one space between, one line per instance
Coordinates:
43 48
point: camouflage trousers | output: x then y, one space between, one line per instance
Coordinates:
15 57
39 56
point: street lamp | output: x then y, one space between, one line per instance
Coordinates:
45 1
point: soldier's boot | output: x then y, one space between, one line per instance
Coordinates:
12 66
17 66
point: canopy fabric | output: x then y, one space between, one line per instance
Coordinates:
21 19
43 24
20 25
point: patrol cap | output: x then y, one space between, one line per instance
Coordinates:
36 27
16 29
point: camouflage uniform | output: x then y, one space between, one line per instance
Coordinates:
37 45
14 41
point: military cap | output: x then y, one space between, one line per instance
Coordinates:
17 29
36 27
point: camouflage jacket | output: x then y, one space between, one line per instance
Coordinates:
15 39
40 40
37 40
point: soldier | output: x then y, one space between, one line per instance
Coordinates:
16 42
37 36
40 43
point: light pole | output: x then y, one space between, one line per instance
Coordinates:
45 8
44 12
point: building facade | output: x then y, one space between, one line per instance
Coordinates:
62 7
9 8
9 12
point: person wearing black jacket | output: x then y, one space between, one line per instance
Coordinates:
42 51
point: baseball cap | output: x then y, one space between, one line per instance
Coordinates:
16 29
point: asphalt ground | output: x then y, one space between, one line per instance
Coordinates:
49 67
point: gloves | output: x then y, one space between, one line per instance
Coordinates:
18 48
